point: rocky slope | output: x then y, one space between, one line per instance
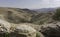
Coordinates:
17 30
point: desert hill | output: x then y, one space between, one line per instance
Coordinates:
17 15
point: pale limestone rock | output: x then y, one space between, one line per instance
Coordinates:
25 30
4 26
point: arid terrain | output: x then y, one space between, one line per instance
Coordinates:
17 22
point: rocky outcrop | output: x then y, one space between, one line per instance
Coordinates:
51 30
4 26
18 30
25 30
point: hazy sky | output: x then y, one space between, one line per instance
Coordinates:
31 4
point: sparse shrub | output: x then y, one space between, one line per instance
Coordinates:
37 34
56 16
41 23
6 35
